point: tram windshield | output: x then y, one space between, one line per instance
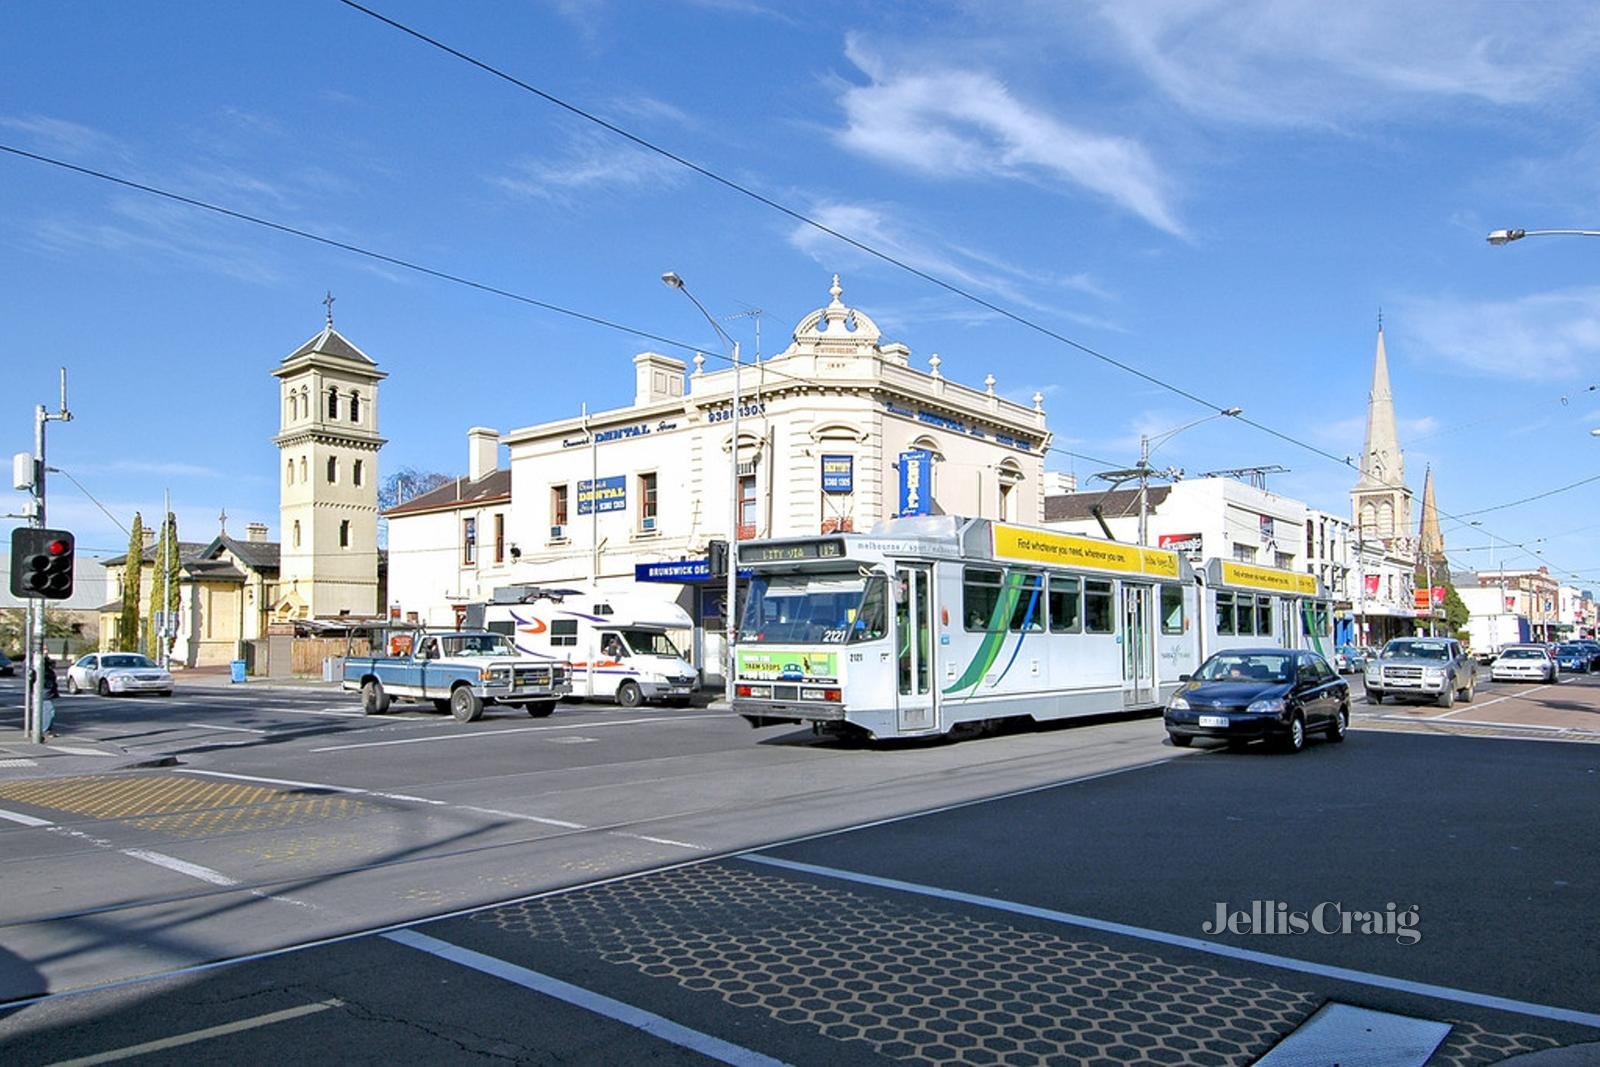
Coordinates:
815 609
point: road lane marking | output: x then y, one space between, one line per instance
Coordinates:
194 1036
528 818
81 751
656 1026
193 870
661 841
1486 722
275 781
25 820
1195 944
518 730
393 796
219 726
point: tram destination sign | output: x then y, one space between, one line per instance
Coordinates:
792 551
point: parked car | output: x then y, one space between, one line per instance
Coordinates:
1523 663
1348 659
6 669
1571 656
1432 668
117 673
1243 694
1594 650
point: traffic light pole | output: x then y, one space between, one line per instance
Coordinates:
33 716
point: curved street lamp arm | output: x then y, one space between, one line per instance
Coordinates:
1505 237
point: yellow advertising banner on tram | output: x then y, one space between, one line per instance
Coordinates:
1022 545
1269 578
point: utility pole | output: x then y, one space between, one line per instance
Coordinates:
33 664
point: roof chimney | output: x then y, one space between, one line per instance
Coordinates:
255 531
657 377
483 452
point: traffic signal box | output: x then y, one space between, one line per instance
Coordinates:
41 563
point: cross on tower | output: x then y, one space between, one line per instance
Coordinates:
222 521
327 302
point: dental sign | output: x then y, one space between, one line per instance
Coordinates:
838 474
606 494
916 477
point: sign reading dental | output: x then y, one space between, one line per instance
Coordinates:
916 478
605 494
838 474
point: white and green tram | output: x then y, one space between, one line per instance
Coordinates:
930 624
1249 605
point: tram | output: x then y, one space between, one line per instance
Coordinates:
932 624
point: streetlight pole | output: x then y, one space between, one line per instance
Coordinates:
729 624
1505 237
1143 470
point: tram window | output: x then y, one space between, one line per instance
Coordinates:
870 622
1098 618
1172 621
1225 613
1264 616
980 597
1066 605
1245 617
1028 613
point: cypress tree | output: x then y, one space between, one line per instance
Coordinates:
169 569
132 574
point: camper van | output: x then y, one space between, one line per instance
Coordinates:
617 644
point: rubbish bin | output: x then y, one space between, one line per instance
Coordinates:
236 667
332 668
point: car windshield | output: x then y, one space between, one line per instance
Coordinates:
1573 650
1256 667
478 645
1522 653
127 660
830 608
650 643
1416 650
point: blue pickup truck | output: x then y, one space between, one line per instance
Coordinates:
459 671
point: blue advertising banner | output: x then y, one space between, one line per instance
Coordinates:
606 494
838 474
916 474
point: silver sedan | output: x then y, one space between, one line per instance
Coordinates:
116 673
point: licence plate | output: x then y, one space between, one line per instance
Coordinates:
1213 720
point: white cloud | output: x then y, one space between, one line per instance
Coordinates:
1308 62
592 164
1539 337
61 136
949 123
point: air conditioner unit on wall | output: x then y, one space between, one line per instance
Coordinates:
557 532
648 523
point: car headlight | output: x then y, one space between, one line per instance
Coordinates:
1433 674
1267 706
1178 704
1373 670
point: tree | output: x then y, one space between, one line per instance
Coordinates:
14 625
404 484
132 575
1456 613
168 574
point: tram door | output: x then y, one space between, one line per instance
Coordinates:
1138 648
913 635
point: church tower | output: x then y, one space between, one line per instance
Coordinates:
1430 541
1380 503
328 478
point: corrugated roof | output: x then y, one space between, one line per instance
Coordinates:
1113 504
459 493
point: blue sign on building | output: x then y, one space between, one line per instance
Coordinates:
838 474
606 494
916 477
686 570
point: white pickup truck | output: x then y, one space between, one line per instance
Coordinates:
1428 668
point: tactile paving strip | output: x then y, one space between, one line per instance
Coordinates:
181 806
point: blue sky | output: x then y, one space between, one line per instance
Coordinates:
1222 195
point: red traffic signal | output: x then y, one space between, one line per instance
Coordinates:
41 563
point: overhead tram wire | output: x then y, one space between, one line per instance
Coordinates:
804 219
494 290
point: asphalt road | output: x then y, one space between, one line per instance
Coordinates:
672 885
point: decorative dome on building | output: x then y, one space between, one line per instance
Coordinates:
836 330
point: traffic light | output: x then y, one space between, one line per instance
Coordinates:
717 556
41 563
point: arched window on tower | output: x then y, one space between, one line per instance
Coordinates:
356 472
303 475
305 402
333 469
297 533
333 403
293 408
355 406
288 473
1386 519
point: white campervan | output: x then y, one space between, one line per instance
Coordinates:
618 644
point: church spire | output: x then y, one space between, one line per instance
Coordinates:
1430 542
1382 463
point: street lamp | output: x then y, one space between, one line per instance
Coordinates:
729 626
1143 470
1505 237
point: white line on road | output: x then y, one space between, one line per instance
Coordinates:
275 781
219 726
193 870
478 734
25 820
528 818
1288 963
655 1025
193 1036
661 841
353 791
81 751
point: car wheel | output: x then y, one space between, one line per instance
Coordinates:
541 709
1445 699
629 695
72 685
1374 697
1295 739
465 705
104 688
374 701
1339 725
442 704
1467 692
1181 740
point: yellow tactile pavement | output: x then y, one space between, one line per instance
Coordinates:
182 806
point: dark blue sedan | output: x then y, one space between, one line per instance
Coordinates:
1575 657
1245 694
